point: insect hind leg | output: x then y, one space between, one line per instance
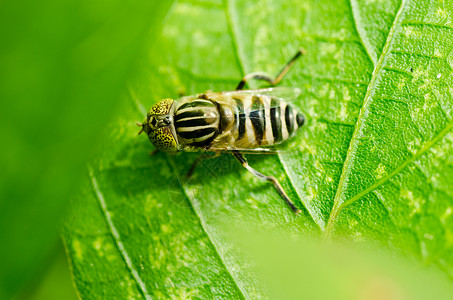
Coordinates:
267 77
272 179
257 76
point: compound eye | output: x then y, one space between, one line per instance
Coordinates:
167 121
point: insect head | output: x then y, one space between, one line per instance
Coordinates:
159 126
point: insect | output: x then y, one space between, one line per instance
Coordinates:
232 121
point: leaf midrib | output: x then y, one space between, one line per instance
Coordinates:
240 58
337 207
378 66
230 15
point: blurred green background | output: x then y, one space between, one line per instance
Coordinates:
64 65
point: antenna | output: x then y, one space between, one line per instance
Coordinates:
140 125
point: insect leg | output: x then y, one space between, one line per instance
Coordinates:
288 66
194 165
268 78
202 156
255 75
272 179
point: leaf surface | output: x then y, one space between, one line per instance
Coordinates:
372 163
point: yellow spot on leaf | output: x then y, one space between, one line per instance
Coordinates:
346 94
165 228
343 112
446 214
380 171
78 251
412 201
97 244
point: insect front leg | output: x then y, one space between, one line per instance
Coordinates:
272 179
267 77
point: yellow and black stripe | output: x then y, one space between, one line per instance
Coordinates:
258 120
263 120
197 122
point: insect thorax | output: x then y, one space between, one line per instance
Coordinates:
197 122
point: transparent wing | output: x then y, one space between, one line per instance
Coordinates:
286 93
249 150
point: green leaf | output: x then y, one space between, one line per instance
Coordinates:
63 67
371 165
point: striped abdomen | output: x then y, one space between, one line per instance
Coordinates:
197 122
263 120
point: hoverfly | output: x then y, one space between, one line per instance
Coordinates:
232 121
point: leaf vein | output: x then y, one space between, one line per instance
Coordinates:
321 38
392 100
173 167
116 236
203 226
378 183
231 20
353 143
333 80
416 54
415 23
380 199
333 122
361 32
399 71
